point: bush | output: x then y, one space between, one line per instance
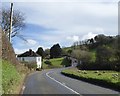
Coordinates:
31 65
82 55
87 66
47 62
103 55
66 62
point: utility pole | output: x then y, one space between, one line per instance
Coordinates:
11 19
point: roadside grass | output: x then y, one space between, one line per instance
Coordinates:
55 63
12 77
104 78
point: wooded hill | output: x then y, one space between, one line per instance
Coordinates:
101 52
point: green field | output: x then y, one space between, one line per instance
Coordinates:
107 78
55 63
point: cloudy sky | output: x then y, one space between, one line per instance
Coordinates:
63 21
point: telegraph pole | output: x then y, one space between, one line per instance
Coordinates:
11 19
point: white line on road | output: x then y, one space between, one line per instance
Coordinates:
22 90
47 74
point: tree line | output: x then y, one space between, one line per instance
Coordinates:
54 52
101 53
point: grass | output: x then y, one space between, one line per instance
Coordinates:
10 76
13 77
55 63
104 78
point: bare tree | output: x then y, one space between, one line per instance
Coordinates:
17 22
81 55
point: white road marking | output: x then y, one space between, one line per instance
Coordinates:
63 83
47 74
23 88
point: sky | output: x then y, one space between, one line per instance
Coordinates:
63 21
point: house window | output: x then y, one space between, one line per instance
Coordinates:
23 59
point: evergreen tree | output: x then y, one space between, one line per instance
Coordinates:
40 52
55 51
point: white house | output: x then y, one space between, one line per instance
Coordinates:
74 62
31 56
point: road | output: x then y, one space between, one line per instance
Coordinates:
53 82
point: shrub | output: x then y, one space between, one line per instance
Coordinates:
66 62
30 65
48 62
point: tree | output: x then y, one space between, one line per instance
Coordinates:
41 52
103 55
91 41
69 51
17 23
101 39
47 53
55 51
82 55
64 52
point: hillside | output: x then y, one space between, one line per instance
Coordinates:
98 53
13 73
8 51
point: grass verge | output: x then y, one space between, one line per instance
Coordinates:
12 79
109 79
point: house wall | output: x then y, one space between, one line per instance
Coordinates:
74 62
32 59
39 62
27 59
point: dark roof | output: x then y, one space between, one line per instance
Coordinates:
29 53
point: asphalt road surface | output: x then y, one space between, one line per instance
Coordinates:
53 82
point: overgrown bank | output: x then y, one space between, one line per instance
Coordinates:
13 72
12 79
108 79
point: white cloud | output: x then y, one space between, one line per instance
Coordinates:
20 51
31 42
99 30
73 38
28 43
72 17
88 36
67 14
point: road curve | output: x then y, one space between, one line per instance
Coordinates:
53 82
